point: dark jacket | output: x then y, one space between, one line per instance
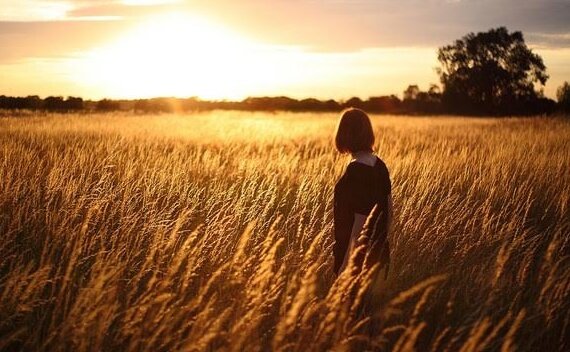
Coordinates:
361 189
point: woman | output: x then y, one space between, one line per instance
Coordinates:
363 192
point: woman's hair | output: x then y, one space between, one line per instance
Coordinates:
354 132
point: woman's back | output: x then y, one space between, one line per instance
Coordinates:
357 192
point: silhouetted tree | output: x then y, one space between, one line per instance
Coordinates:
411 93
429 102
417 101
434 90
311 104
54 103
354 102
74 103
33 102
563 96
390 104
107 105
331 105
491 72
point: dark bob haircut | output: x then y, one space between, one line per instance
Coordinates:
354 132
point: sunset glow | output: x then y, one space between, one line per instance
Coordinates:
183 55
231 50
178 55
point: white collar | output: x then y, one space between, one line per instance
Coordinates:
366 158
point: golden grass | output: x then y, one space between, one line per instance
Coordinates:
213 231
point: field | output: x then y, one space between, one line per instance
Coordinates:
213 231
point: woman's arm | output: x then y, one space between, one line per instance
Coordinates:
390 214
377 230
357 226
342 227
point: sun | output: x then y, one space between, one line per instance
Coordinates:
181 55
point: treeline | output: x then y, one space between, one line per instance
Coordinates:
414 102
387 104
34 102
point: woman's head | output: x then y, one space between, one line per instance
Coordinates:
354 132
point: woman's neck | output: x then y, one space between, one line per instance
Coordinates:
361 153
364 157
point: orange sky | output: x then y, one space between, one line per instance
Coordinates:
222 49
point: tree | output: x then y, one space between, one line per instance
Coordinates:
386 104
353 102
33 102
417 101
434 90
411 93
563 96
107 105
74 103
54 103
491 72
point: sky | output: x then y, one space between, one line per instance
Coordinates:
231 49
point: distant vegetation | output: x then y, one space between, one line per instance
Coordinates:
563 95
387 104
415 102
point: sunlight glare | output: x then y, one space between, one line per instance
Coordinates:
182 55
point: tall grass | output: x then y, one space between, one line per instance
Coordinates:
213 231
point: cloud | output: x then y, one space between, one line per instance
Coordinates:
347 25
549 40
21 40
28 10
131 9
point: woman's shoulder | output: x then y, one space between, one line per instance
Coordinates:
357 171
359 167
360 174
381 164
